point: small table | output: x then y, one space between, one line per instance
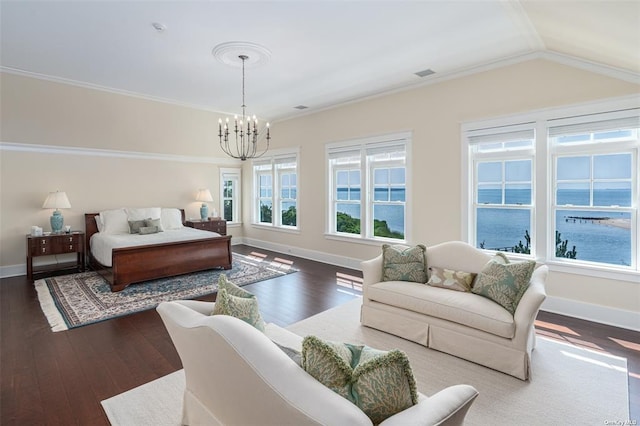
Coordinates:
52 244
213 225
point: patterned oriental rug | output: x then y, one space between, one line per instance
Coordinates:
75 300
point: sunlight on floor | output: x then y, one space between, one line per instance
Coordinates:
626 344
556 335
257 256
350 282
281 263
555 327
593 361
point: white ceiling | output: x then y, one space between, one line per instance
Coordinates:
322 52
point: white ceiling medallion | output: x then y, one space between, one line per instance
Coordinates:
229 54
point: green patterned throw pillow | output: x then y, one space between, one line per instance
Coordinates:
452 280
135 225
234 290
380 383
403 263
236 302
504 282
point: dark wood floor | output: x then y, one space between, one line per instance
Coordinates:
60 378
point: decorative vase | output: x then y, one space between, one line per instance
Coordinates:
204 211
56 221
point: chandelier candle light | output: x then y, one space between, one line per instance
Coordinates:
246 139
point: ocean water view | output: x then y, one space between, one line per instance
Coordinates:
600 236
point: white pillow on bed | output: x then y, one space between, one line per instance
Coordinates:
114 222
171 219
99 222
143 213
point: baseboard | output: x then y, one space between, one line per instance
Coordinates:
591 312
318 256
13 270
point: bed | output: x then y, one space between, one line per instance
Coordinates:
149 258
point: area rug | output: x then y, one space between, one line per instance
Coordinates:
570 385
75 300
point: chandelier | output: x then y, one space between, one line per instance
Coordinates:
246 144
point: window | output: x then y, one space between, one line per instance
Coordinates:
503 202
276 183
368 181
230 195
563 190
593 205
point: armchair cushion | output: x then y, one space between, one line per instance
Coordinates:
380 383
237 302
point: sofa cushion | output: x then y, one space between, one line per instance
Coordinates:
237 302
403 263
464 308
504 282
450 279
380 383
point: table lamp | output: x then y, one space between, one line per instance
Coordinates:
56 200
205 196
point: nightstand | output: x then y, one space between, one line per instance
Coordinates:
50 245
213 225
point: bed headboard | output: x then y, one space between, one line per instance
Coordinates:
91 227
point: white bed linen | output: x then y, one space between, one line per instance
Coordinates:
102 244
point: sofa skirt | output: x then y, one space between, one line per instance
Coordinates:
482 348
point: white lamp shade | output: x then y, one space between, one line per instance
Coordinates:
57 200
204 195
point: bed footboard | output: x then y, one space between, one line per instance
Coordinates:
143 263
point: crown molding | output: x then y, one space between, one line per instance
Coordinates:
86 85
595 67
548 55
93 152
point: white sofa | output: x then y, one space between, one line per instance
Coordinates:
235 374
460 323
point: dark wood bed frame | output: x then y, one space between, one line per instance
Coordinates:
142 263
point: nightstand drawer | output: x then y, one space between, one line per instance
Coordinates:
41 247
201 225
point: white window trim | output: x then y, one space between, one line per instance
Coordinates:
275 198
234 173
365 187
544 182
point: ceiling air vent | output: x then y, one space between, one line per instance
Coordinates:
301 107
425 73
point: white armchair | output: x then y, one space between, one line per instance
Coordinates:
235 374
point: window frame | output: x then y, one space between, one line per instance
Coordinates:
503 157
544 178
234 175
271 166
365 149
